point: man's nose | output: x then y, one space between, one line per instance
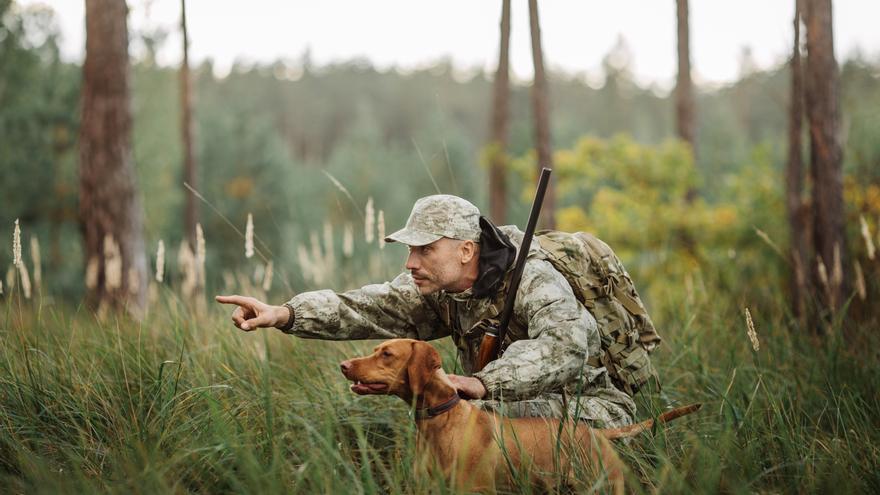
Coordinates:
412 262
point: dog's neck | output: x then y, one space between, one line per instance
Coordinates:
438 397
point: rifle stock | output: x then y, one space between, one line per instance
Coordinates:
491 342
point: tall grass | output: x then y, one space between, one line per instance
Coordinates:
179 403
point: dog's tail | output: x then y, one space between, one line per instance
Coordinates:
633 430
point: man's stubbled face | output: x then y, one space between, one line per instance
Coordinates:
438 266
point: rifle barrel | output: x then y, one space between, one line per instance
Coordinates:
490 345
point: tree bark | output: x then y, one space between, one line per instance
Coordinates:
796 208
500 117
190 166
110 210
540 107
685 115
826 155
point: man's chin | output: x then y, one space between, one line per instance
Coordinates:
425 287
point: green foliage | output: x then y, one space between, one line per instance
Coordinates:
635 197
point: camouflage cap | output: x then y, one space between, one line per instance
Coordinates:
440 215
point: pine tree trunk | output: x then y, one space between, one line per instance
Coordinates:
684 88
826 155
795 206
110 211
541 109
500 117
191 215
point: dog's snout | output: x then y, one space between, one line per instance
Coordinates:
345 366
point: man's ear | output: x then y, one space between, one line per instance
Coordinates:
423 362
468 251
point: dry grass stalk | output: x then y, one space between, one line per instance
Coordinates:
381 229
160 262
369 221
249 237
866 235
134 281
860 282
837 269
823 277
10 277
187 264
25 280
305 264
200 255
228 282
112 264
267 276
16 245
319 263
753 335
766 238
37 261
92 273
329 249
259 270
689 287
348 240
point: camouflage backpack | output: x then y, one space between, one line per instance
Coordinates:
603 286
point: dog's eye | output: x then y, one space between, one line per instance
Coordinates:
386 354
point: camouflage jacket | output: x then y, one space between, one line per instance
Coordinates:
544 355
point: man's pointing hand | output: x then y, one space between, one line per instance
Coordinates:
252 313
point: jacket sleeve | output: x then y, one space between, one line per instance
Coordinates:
561 335
380 311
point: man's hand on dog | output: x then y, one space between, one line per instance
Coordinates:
252 313
468 387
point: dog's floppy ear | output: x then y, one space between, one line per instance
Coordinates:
423 362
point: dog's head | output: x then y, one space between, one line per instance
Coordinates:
400 367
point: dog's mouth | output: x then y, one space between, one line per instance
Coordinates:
364 388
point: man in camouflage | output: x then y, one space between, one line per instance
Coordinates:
543 370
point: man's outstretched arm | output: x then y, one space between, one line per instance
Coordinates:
378 311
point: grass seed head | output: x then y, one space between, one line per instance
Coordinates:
267 277
348 240
92 273
866 235
750 328
249 237
860 282
200 254
369 221
35 257
112 264
381 229
25 280
16 244
160 262
187 264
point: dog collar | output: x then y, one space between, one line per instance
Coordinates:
430 412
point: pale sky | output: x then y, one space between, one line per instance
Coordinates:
408 34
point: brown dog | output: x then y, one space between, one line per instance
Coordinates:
477 450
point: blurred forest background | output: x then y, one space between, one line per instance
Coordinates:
326 157
269 137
